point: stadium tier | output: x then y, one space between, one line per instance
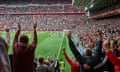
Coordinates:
39 8
71 35
50 17
15 2
45 22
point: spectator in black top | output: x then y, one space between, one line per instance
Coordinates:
88 61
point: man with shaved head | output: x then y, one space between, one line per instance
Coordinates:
23 53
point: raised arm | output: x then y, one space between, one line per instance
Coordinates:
77 41
74 50
98 53
7 36
15 42
101 64
34 43
66 57
109 53
113 58
97 56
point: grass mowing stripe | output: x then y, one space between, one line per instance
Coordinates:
49 47
42 36
59 51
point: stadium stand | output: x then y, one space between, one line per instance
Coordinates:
48 16
90 32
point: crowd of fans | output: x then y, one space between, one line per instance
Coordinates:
93 44
107 9
106 26
95 47
35 1
39 8
45 22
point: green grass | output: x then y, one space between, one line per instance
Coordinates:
48 47
49 44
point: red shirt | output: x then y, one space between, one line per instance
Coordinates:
23 55
46 63
75 67
115 60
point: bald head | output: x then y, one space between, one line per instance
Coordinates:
24 39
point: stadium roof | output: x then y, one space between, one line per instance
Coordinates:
95 4
81 2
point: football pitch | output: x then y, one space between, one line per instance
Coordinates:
49 44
